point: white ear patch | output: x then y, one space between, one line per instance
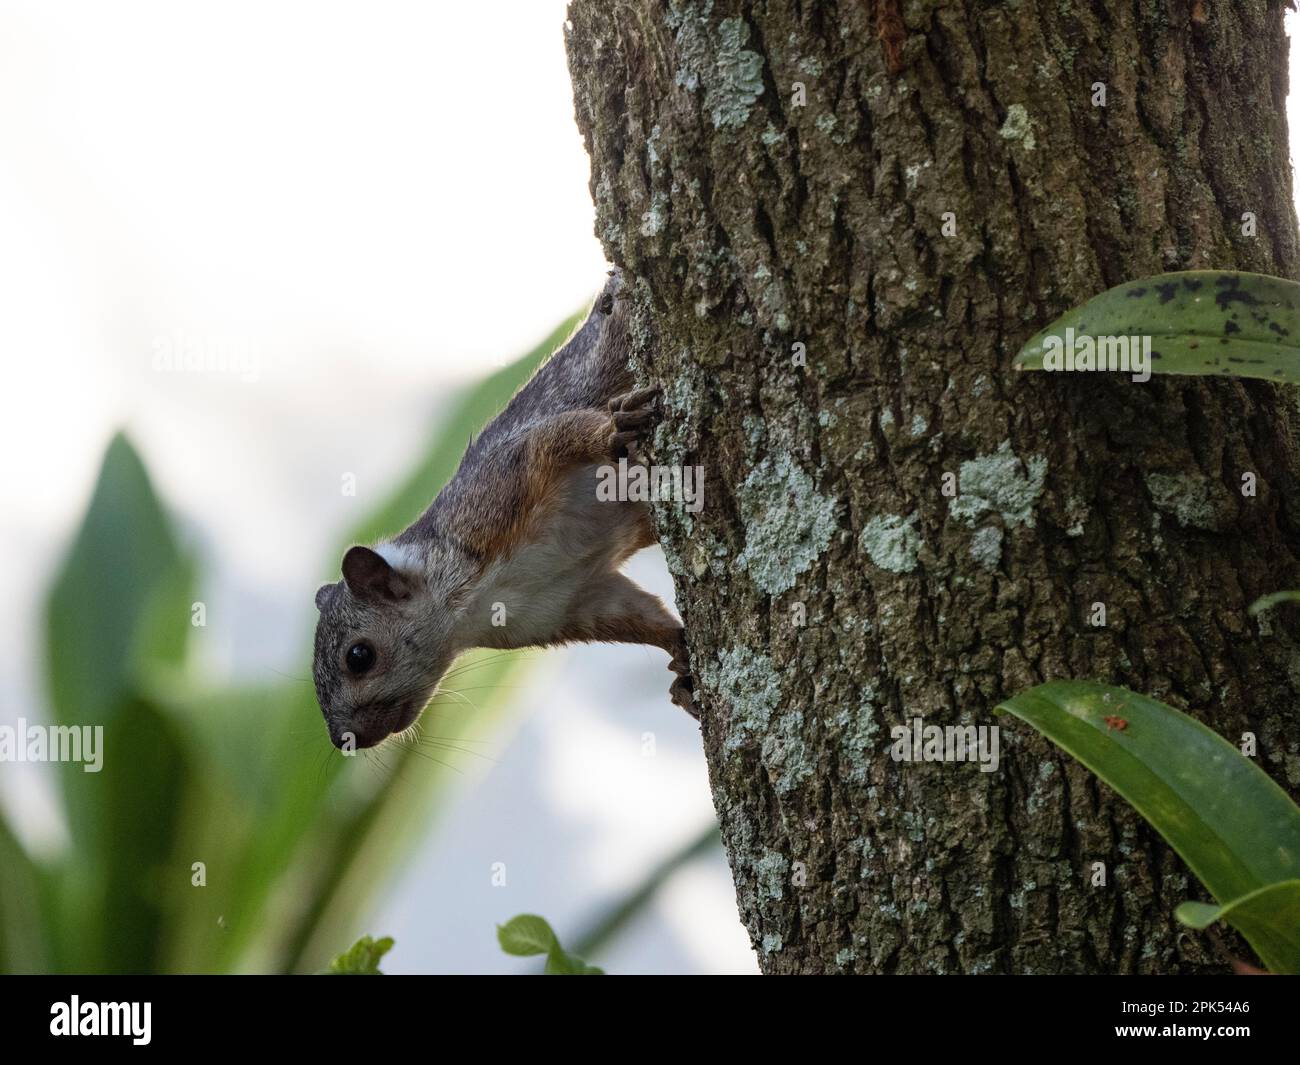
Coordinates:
405 558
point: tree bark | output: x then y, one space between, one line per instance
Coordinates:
830 589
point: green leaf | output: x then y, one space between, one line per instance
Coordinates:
1217 322
142 794
1269 917
1267 602
104 601
526 935
23 905
561 963
1233 826
120 603
362 958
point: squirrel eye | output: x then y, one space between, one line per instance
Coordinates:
360 657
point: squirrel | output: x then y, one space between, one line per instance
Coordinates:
519 534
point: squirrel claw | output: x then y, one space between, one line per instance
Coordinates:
631 415
633 419
633 400
682 692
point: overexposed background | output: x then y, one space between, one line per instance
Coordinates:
376 203
371 205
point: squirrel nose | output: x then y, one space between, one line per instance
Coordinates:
349 737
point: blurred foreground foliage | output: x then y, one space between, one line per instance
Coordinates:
528 935
292 837
362 958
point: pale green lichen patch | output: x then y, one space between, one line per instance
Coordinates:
654 220
652 146
606 208
731 74
1018 127
788 523
913 826
999 483
691 21
1076 510
786 755
1184 495
1043 791
748 682
892 542
739 76
858 730
986 547
686 401
771 871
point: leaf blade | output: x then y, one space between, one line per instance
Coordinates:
362 958
1269 919
1234 827
526 935
1267 602
1201 322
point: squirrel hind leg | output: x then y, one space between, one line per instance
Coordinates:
614 609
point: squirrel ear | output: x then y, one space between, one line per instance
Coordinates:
369 576
324 594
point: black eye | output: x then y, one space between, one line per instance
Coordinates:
361 656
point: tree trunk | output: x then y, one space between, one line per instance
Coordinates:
830 589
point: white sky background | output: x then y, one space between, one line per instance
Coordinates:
383 201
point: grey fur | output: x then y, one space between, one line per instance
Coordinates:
443 582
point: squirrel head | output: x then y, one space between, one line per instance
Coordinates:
382 645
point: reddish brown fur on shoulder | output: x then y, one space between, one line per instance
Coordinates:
518 485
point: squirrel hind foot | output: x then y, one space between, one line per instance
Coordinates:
682 692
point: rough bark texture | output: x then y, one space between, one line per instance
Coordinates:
750 224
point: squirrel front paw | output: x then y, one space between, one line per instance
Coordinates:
682 692
633 416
